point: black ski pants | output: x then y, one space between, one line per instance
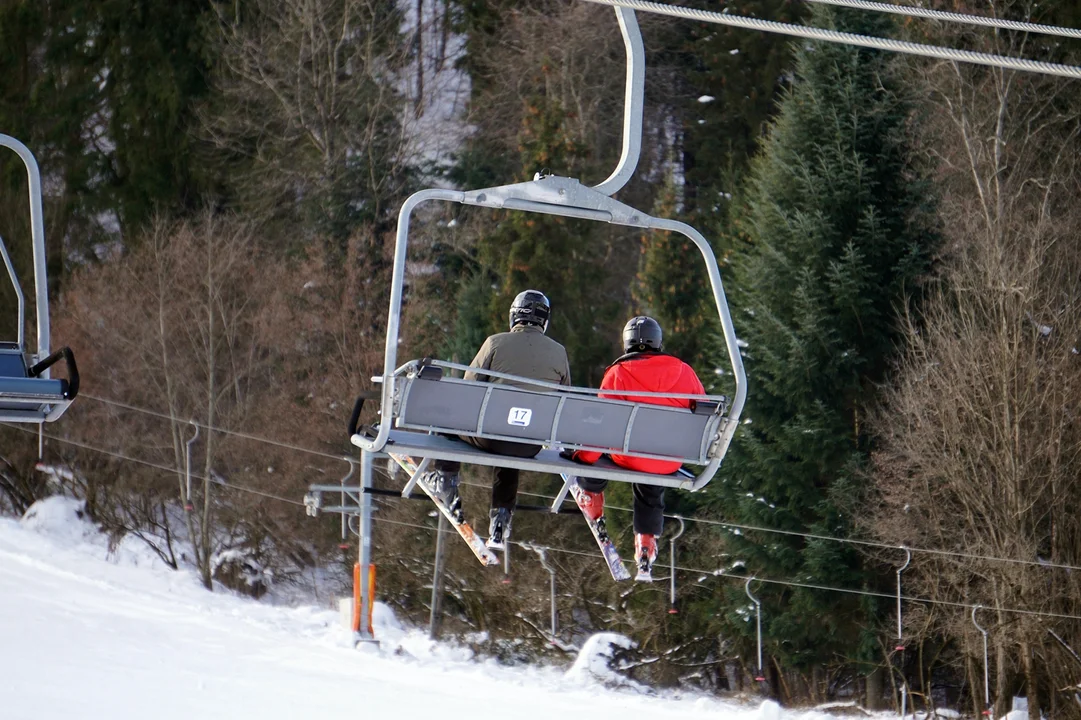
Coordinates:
648 504
505 483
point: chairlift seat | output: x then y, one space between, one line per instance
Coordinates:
558 420
27 398
430 412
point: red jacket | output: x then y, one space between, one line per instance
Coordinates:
651 372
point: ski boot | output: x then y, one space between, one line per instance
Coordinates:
444 486
499 528
645 553
592 504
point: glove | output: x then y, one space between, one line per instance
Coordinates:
569 454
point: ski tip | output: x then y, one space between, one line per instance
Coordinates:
643 577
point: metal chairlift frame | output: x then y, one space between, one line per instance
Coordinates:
550 195
566 197
33 396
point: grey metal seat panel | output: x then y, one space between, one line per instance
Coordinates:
32 389
443 405
437 447
593 422
668 431
520 414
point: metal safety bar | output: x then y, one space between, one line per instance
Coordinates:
414 365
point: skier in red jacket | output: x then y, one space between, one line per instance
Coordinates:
644 367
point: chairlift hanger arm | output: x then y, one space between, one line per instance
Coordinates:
632 104
37 234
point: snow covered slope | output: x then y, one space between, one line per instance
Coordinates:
86 637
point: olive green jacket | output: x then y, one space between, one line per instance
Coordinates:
525 351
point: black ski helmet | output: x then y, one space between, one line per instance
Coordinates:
530 307
641 333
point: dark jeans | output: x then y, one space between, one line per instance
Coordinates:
505 483
648 504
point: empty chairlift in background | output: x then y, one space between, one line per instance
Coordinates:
27 392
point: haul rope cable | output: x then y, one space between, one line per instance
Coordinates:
567 551
965 18
868 41
690 518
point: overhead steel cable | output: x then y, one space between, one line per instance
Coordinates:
156 466
205 426
700 571
688 518
846 38
771 581
963 18
830 538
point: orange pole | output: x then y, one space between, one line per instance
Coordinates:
356 597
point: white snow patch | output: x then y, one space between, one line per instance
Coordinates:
94 638
61 517
595 659
434 119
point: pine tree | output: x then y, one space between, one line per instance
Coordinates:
728 81
559 256
835 236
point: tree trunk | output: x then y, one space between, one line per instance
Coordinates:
1032 682
873 699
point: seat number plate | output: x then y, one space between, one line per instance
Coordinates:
519 416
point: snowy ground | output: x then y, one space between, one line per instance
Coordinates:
88 634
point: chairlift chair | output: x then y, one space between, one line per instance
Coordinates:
421 405
27 392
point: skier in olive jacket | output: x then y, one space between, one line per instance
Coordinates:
524 351
647 368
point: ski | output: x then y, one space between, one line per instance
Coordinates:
600 534
644 574
476 544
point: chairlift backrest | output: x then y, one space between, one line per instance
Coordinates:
559 420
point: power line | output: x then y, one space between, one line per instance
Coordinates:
691 518
770 581
156 466
212 428
845 38
830 538
567 551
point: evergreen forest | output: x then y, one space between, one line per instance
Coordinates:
222 183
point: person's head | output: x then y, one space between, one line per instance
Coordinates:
530 307
642 333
